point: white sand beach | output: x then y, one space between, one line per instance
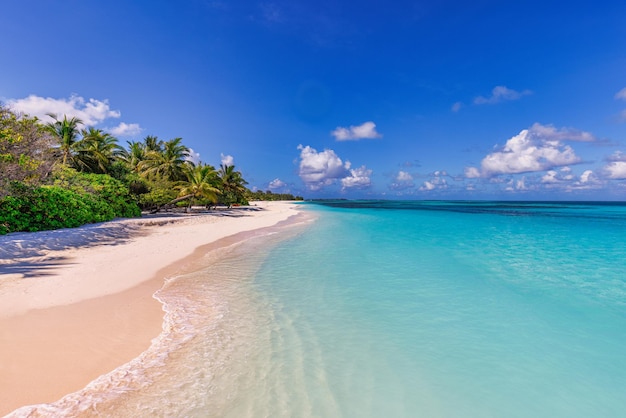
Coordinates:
77 303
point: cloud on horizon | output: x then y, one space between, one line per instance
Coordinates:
553 176
366 130
616 168
402 181
538 148
320 169
500 94
359 178
437 181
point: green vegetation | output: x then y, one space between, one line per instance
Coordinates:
25 151
59 175
270 196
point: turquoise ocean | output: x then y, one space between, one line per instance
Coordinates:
395 309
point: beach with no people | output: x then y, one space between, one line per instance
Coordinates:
77 303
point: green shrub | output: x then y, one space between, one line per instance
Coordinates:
156 197
46 207
103 189
73 200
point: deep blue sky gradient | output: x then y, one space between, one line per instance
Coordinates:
254 80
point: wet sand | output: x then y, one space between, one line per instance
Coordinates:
77 303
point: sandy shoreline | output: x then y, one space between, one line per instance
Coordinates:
75 304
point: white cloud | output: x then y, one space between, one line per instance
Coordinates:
587 176
91 112
457 106
617 156
365 131
193 156
538 148
437 181
472 172
588 180
358 178
126 129
403 180
562 180
518 185
550 177
227 159
427 186
501 94
276 184
319 169
404 176
550 133
554 177
616 170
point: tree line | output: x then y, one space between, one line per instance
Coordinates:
62 174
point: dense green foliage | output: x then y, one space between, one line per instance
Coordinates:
58 175
36 208
269 195
102 189
200 185
233 186
25 150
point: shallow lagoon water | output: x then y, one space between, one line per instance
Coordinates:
398 309
456 308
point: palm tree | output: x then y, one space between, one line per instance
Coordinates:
232 184
200 183
168 163
132 156
66 134
97 151
152 143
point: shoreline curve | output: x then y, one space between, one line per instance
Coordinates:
71 337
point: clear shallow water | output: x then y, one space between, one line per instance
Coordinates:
460 309
396 309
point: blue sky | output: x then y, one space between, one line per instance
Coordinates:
403 99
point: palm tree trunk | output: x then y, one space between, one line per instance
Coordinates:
178 199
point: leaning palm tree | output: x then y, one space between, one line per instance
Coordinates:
168 164
97 151
66 133
200 183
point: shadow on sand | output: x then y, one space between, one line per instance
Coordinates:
24 253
